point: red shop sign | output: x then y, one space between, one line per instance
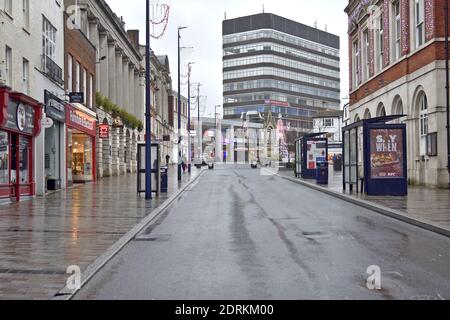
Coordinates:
81 121
103 131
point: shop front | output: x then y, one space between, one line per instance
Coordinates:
54 145
81 144
20 123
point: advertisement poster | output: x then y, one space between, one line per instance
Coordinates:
316 152
386 153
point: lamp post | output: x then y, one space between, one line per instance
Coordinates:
148 131
189 117
179 105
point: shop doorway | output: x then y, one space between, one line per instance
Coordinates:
15 165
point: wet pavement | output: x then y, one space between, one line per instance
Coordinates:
237 234
430 205
41 237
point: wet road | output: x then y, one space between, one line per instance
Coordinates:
237 234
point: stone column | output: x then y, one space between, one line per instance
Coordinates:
131 100
119 77
94 37
122 145
112 75
103 66
125 84
115 151
138 110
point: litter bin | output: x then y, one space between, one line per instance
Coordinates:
164 179
322 173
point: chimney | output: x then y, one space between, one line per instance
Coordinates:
133 35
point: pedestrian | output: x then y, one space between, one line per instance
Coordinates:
167 160
183 164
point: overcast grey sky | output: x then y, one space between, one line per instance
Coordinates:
204 21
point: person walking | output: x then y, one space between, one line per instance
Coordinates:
184 164
167 160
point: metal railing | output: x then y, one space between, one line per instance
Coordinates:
51 69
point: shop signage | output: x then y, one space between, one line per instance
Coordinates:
76 97
47 123
20 117
386 153
55 107
103 131
81 121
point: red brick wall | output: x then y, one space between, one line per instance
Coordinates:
83 52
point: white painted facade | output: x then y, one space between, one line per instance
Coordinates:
22 33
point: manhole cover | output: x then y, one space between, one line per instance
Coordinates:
152 238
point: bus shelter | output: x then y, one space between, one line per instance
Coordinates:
375 158
310 149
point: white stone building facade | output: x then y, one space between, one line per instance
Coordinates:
31 62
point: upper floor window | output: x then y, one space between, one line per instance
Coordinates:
355 64
48 39
328 122
366 53
8 66
26 13
397 29
379 43
419 19
8 6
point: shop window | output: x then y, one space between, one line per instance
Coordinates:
4 158
24 159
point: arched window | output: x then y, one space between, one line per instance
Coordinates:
357 118
422 106
397 109
367 114
381 110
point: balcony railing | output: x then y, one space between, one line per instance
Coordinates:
52 70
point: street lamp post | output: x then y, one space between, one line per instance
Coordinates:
148 131
179 105
189 118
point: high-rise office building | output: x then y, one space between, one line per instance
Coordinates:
272 63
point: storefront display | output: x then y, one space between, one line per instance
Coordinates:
81 132
54 136
20 118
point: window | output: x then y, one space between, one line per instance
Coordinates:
4 157
77 77
423 118
355 64
8 6
8 66
419 23
69 73
397 29
48 39
25 75
91 90
85 85
328 123
366 53
26 13
380 43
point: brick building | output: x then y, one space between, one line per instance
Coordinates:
397 66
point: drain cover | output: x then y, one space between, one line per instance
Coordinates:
152 238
